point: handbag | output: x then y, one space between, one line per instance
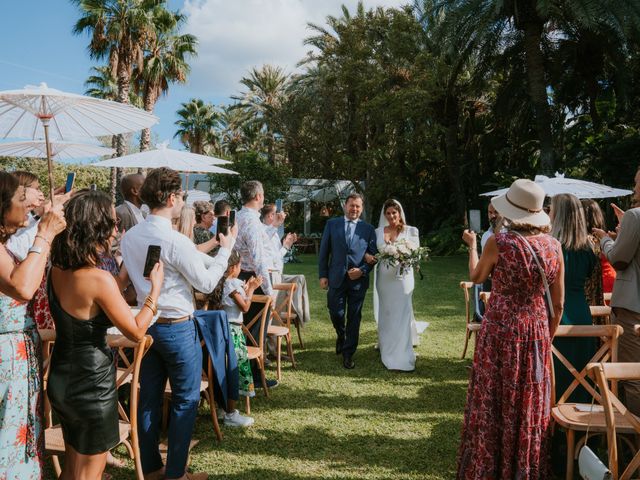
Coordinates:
590 466
547 292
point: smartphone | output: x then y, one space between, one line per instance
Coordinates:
474 220
232 218
153 257
222 227
93 187
71 178
278 205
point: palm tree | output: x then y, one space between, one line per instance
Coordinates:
118 30
165 62
102 84
197 125
260 103
488 26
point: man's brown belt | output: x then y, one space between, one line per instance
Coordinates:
163 320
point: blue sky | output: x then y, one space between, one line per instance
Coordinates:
37 45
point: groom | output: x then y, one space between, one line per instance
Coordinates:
344 271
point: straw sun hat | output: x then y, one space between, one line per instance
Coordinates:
523 203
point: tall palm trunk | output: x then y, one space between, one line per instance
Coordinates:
452 118
124 86
149 100
538 93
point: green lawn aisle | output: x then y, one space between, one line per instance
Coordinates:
326 422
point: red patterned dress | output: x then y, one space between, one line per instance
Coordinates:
506 423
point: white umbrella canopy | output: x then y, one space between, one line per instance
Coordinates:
63 151
34 110
163 156
580 188
23 114
197 196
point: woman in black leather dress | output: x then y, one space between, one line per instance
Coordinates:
85 301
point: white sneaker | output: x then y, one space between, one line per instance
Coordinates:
234 419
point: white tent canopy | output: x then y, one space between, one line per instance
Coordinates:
318 190
580 188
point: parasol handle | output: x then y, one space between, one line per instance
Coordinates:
45 124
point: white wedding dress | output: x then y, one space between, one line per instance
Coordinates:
393 308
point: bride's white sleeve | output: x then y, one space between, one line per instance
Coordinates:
379 238
414 235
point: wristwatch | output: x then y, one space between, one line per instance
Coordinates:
35 249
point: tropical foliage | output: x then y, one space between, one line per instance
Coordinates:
440 100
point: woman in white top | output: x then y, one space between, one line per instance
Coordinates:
393 293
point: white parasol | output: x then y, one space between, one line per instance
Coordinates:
63 151
580 188
163 156
39 111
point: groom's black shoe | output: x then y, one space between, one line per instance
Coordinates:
339 344
348 363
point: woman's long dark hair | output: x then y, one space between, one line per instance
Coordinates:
86 239
8 186
215 298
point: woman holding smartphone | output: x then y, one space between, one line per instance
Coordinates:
85 301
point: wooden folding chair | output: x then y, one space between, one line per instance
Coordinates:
282 312
618 419
576 417
255 348
600 314
206 390
129 374
471 326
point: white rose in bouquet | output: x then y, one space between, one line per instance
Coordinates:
412 245
403 248
392 250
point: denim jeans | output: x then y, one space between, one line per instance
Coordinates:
175 354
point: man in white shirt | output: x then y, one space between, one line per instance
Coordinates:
255 257
176 353
130 212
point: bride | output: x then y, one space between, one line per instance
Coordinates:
393 294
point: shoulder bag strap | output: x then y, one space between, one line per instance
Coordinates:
542 273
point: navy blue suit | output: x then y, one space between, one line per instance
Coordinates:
336 258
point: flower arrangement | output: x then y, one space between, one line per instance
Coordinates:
403 254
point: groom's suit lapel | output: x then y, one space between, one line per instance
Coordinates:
342 233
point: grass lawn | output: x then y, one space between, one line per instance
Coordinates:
327 422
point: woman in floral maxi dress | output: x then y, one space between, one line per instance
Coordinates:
21 433
506 424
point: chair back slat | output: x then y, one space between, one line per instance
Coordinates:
606 374
466 287
286 305
260 316
608 351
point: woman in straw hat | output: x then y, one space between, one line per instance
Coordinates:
506 424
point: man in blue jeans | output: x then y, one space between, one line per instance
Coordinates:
176 353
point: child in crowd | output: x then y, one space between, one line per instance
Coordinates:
234 297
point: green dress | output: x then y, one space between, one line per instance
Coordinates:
578 266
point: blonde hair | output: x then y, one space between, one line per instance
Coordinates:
186 221
569 225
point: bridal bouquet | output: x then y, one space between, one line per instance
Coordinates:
402 254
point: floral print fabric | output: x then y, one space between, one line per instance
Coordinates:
246 388
21 432
505 432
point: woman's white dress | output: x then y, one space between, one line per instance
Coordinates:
394 295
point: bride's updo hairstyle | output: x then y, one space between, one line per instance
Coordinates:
391 203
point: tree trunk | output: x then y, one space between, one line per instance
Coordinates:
113 179
538 93
124 86
451 116
149 105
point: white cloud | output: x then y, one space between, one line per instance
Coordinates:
239 34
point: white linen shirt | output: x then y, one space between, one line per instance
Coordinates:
252 245
185 267
20 242
275 248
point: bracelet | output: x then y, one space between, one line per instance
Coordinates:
43 238
151 305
